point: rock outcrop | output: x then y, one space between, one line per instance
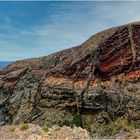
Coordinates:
35 132
99 80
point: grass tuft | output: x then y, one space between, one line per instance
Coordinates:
45 128
24 127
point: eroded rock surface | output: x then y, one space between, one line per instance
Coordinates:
99 80
35 132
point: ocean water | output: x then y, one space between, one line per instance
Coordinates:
3 64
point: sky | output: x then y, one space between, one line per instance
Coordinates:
33 29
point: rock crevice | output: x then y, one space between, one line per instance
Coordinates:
100 76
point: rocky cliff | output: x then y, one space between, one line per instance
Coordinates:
98 80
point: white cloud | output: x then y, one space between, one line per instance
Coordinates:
70 25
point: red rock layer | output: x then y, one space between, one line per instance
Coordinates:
119 53
73 78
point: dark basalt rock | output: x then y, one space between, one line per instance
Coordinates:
99 80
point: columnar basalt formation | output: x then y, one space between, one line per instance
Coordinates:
99 80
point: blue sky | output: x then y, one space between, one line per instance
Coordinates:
33 29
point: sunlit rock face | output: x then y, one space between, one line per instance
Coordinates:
99 80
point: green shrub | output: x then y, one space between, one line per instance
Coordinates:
24 127
66 123
77 121
45 128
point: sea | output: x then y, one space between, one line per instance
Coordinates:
3 64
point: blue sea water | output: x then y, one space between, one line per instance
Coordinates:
3 64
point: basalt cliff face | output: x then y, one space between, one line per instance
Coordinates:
99 80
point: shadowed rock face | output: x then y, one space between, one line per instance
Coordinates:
99 80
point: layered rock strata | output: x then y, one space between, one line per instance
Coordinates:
99 80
